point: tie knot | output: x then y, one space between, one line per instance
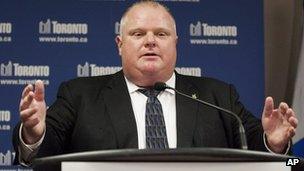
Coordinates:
149 92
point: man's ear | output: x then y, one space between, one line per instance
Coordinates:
118 41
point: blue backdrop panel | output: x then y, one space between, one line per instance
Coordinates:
57 41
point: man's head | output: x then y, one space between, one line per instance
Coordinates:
147 43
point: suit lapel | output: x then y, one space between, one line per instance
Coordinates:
119 108
186 112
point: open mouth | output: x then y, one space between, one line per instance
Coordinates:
150 54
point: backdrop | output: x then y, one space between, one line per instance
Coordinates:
56 41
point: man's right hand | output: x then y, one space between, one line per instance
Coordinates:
33 112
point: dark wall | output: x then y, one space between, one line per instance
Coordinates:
283 35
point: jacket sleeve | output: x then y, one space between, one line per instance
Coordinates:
60 121
253 126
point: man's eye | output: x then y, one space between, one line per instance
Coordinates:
161 34
137 34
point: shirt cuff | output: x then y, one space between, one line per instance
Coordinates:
27 151
265 143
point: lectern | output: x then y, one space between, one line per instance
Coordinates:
182 159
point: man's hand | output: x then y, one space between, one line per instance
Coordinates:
32 112
278 124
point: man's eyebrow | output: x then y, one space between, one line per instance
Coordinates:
154 29
135 29
162 29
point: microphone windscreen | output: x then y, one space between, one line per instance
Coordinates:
160 86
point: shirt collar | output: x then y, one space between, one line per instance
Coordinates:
133 88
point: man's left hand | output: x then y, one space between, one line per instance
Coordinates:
278 124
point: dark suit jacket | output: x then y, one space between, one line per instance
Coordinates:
95 113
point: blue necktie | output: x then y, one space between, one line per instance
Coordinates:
156 136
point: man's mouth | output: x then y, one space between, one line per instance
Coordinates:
150 57
150 54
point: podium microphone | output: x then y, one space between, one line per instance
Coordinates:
160 86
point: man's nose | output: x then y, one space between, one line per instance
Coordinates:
150 41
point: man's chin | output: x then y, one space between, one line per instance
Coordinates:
150 70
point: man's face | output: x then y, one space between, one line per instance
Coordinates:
148 43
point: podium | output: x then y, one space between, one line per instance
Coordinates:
211 159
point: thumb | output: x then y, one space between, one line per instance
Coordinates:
39 90
268 107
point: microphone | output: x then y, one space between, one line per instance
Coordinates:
160 86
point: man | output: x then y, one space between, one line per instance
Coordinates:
108 112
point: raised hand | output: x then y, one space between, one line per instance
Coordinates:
279 125
32 112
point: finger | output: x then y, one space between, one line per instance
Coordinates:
283 107
268 107
275 114
293 121
291 132
31 123
290 113
25 103
291 117
27 113
39 90
26 90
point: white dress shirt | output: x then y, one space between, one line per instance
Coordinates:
167 100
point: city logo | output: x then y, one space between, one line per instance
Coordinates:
5 116
7 159
55 27
6 28
87 70
117 27
59 32
83 71
6 70
16 69
45 27
202 33
204 29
